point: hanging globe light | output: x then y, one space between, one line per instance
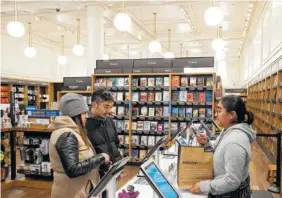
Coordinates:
15 29
122 22
62 60
78 49
217 44
214 16
29 51
155 46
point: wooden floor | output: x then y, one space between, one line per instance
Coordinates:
258 171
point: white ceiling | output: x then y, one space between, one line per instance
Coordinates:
170 15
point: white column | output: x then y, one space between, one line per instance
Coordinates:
95 27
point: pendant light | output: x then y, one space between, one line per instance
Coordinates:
169 54
15 28
62 59
181 49
214 15
29 51
218 43
105 55
122 21
78 49
155 45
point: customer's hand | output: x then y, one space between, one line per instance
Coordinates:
202 138
195 188
107 158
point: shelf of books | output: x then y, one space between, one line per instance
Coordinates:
149 106
264 100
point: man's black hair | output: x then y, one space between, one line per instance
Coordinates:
102 95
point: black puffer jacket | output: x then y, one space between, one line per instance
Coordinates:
103 135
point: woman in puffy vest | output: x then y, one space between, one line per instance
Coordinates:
73 159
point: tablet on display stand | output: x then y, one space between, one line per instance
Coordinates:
108 182
157 180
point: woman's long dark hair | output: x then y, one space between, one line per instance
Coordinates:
78 121
236 104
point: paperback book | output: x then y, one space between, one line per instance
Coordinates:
159 81
151 82
143 82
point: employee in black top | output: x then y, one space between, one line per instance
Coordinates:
101 129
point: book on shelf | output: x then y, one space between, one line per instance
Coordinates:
114 110
142 153
134 126
202 96
189 112
182 125
193 81
140 125
109 82
174 126
121 139
126 139
195 96
126 82
166 126
143 82
175 81
195 112
158 138
120 111
115 82
102 82
135 140
189 96
135 111
114 94
151 111
158 96
209 112
147 125
159 128
135 96
144 140
208 96
126 124
165 96
151 82
127 97
144 111
159 81
165 111
209 81
143 96
121 82
159 111
182 96
184 81
135 82
134 154
200 81
166 81
202 112
154 125
174 112
151 141
175 96
181 112
120 125
119 96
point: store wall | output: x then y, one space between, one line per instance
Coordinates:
264 41
229 74
15 64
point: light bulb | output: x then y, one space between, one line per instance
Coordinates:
78 50
62 60
218 44
155 46
15 29
214 16
122 22
220 55
169 55
106 56
30 52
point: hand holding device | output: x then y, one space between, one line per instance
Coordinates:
107 158
202 138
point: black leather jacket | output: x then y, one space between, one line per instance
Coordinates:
67 147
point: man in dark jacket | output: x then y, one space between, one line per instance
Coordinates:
101 129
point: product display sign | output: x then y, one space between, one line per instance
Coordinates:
152 63
235 90
77 83
193 62
114 64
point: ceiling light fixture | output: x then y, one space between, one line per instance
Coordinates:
122 21
78 49
15 28
155 46
214 15
62 60
218 43
169 54
29 51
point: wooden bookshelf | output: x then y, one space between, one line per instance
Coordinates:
264 101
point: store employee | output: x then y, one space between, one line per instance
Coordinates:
232 152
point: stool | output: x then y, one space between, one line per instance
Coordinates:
271 174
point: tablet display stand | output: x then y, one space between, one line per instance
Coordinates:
108 182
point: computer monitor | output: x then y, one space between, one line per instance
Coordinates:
181 130
114 170
181 141
158 181
154 149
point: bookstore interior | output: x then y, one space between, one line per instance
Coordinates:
183 77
